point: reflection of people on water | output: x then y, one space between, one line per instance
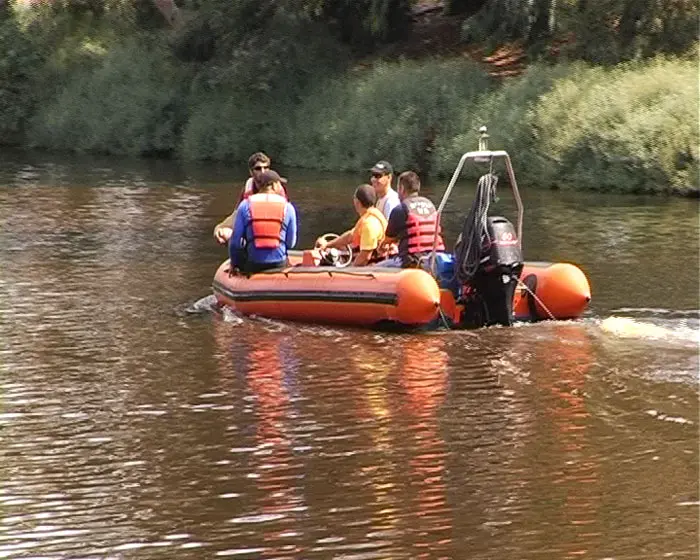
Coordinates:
265 228
424 376
368 232
266 364
258 163
414 224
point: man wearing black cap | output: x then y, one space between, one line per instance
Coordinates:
265 228
387 198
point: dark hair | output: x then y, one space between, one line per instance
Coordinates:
258 157
268 178
410 182
366 195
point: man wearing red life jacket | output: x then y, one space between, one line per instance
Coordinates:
264 229
258 163
413 225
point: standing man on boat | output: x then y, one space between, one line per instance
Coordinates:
265 227
258 163
387 197
413 224
368 233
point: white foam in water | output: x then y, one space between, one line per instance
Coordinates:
230 316
625 327
203 305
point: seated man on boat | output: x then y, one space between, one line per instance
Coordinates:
387 197
368 233
258 163
413 224
265 228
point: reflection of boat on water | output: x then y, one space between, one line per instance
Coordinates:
484 282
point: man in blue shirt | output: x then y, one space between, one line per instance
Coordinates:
264 229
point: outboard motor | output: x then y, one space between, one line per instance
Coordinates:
488 262
497 276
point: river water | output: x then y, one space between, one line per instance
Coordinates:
133 427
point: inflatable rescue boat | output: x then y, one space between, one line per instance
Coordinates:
485 281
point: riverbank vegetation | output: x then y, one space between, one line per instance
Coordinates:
599 99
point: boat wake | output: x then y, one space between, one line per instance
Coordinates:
207 304
670 329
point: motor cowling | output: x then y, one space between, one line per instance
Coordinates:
489 294
500 246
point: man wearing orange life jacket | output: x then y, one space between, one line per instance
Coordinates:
265 227
258 163
413 224
366 237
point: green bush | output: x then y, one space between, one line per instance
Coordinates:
391 111
631 128
246 101
506 111
20 62
128 104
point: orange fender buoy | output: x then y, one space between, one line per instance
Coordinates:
562 292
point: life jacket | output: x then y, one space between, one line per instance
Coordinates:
371 214
248 190
267 216
421 224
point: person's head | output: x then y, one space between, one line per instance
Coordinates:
270 182
408 184
257 164
365 197
381 177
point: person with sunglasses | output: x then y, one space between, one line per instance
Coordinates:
387 198
258 163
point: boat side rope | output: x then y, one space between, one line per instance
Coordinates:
321 270
443 317
538 300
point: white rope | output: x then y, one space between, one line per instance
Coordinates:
538 300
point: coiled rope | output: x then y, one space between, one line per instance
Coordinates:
468 249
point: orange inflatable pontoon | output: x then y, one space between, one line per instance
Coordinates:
351 296
373 296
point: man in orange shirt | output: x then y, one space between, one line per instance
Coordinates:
368 233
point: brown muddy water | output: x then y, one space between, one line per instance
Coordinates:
135 423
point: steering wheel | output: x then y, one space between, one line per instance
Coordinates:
340 258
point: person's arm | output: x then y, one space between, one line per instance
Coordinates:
339 242
362 258
221 234
291 219
396 224
238 234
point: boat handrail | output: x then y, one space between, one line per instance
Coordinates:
480 157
